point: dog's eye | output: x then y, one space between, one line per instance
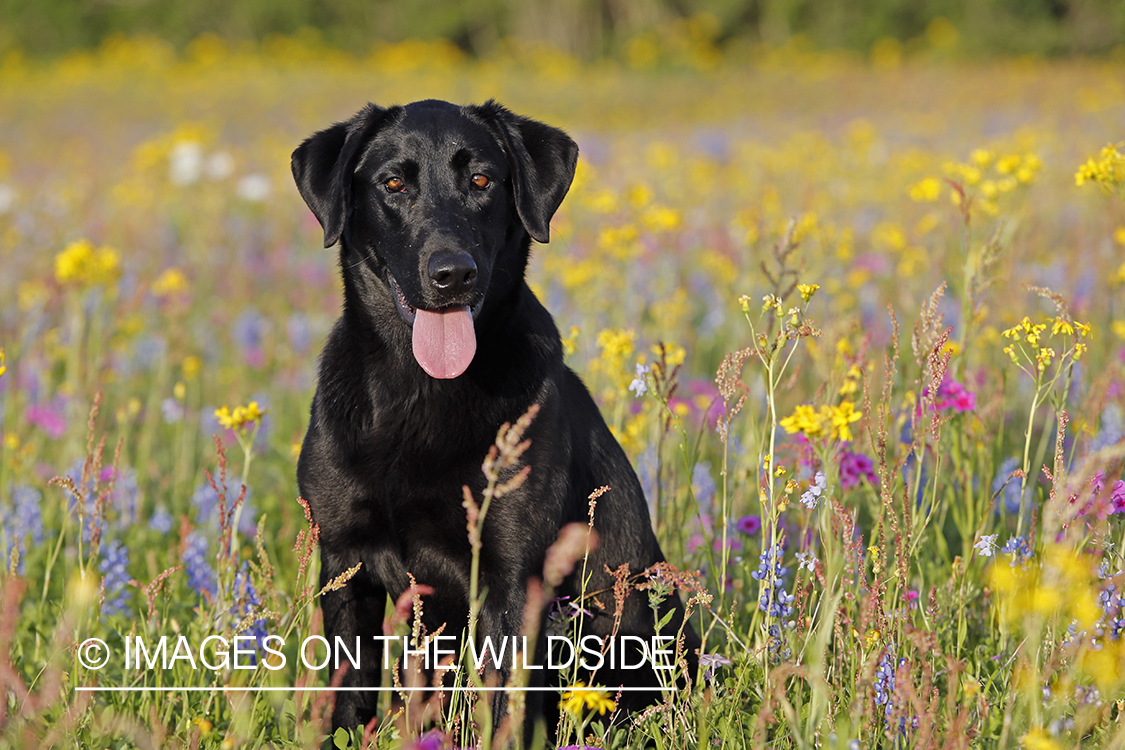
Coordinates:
480 182
395 185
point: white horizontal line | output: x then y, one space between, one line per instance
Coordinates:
119 689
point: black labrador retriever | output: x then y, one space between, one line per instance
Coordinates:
440 342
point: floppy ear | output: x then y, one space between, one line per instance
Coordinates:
323 166
542 161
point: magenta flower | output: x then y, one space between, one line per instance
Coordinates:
855 467
953 395
1118 496
750 525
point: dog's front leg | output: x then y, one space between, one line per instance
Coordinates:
353 615
501 620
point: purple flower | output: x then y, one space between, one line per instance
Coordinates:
172 410
750 525
434 739
855 467
710 662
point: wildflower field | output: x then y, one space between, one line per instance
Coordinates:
859 324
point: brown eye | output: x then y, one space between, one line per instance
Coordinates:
480 182
395 185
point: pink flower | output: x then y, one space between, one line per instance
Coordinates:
953 395
49 417
1118 496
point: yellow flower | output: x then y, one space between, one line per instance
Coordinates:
616 343
851 381
674 354
1061 325
982 158
569 342
83 264
925 191
1107 172
1043 358
170 282
1037 739
807 291
240 417
577 698
1008 164
191 366
3 367
841 417
806 420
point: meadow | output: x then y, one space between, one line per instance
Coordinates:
858 322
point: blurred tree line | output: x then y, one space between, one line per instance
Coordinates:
585 28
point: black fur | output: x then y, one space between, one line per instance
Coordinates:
388 447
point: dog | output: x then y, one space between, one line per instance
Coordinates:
439 343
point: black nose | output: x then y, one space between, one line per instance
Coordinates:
452 273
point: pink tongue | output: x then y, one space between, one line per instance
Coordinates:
444 342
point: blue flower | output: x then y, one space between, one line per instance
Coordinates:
1018 548
1112 428
702 485
245 602
22 524
1007 492
161 521
885 679
201 576
206 502
248 329
115 579
299 331
774 601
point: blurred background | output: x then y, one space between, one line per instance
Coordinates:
588 29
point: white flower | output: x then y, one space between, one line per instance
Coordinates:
254 188
185 162
219 165
639 387
816 489
986 545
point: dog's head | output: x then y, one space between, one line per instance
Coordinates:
430 198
